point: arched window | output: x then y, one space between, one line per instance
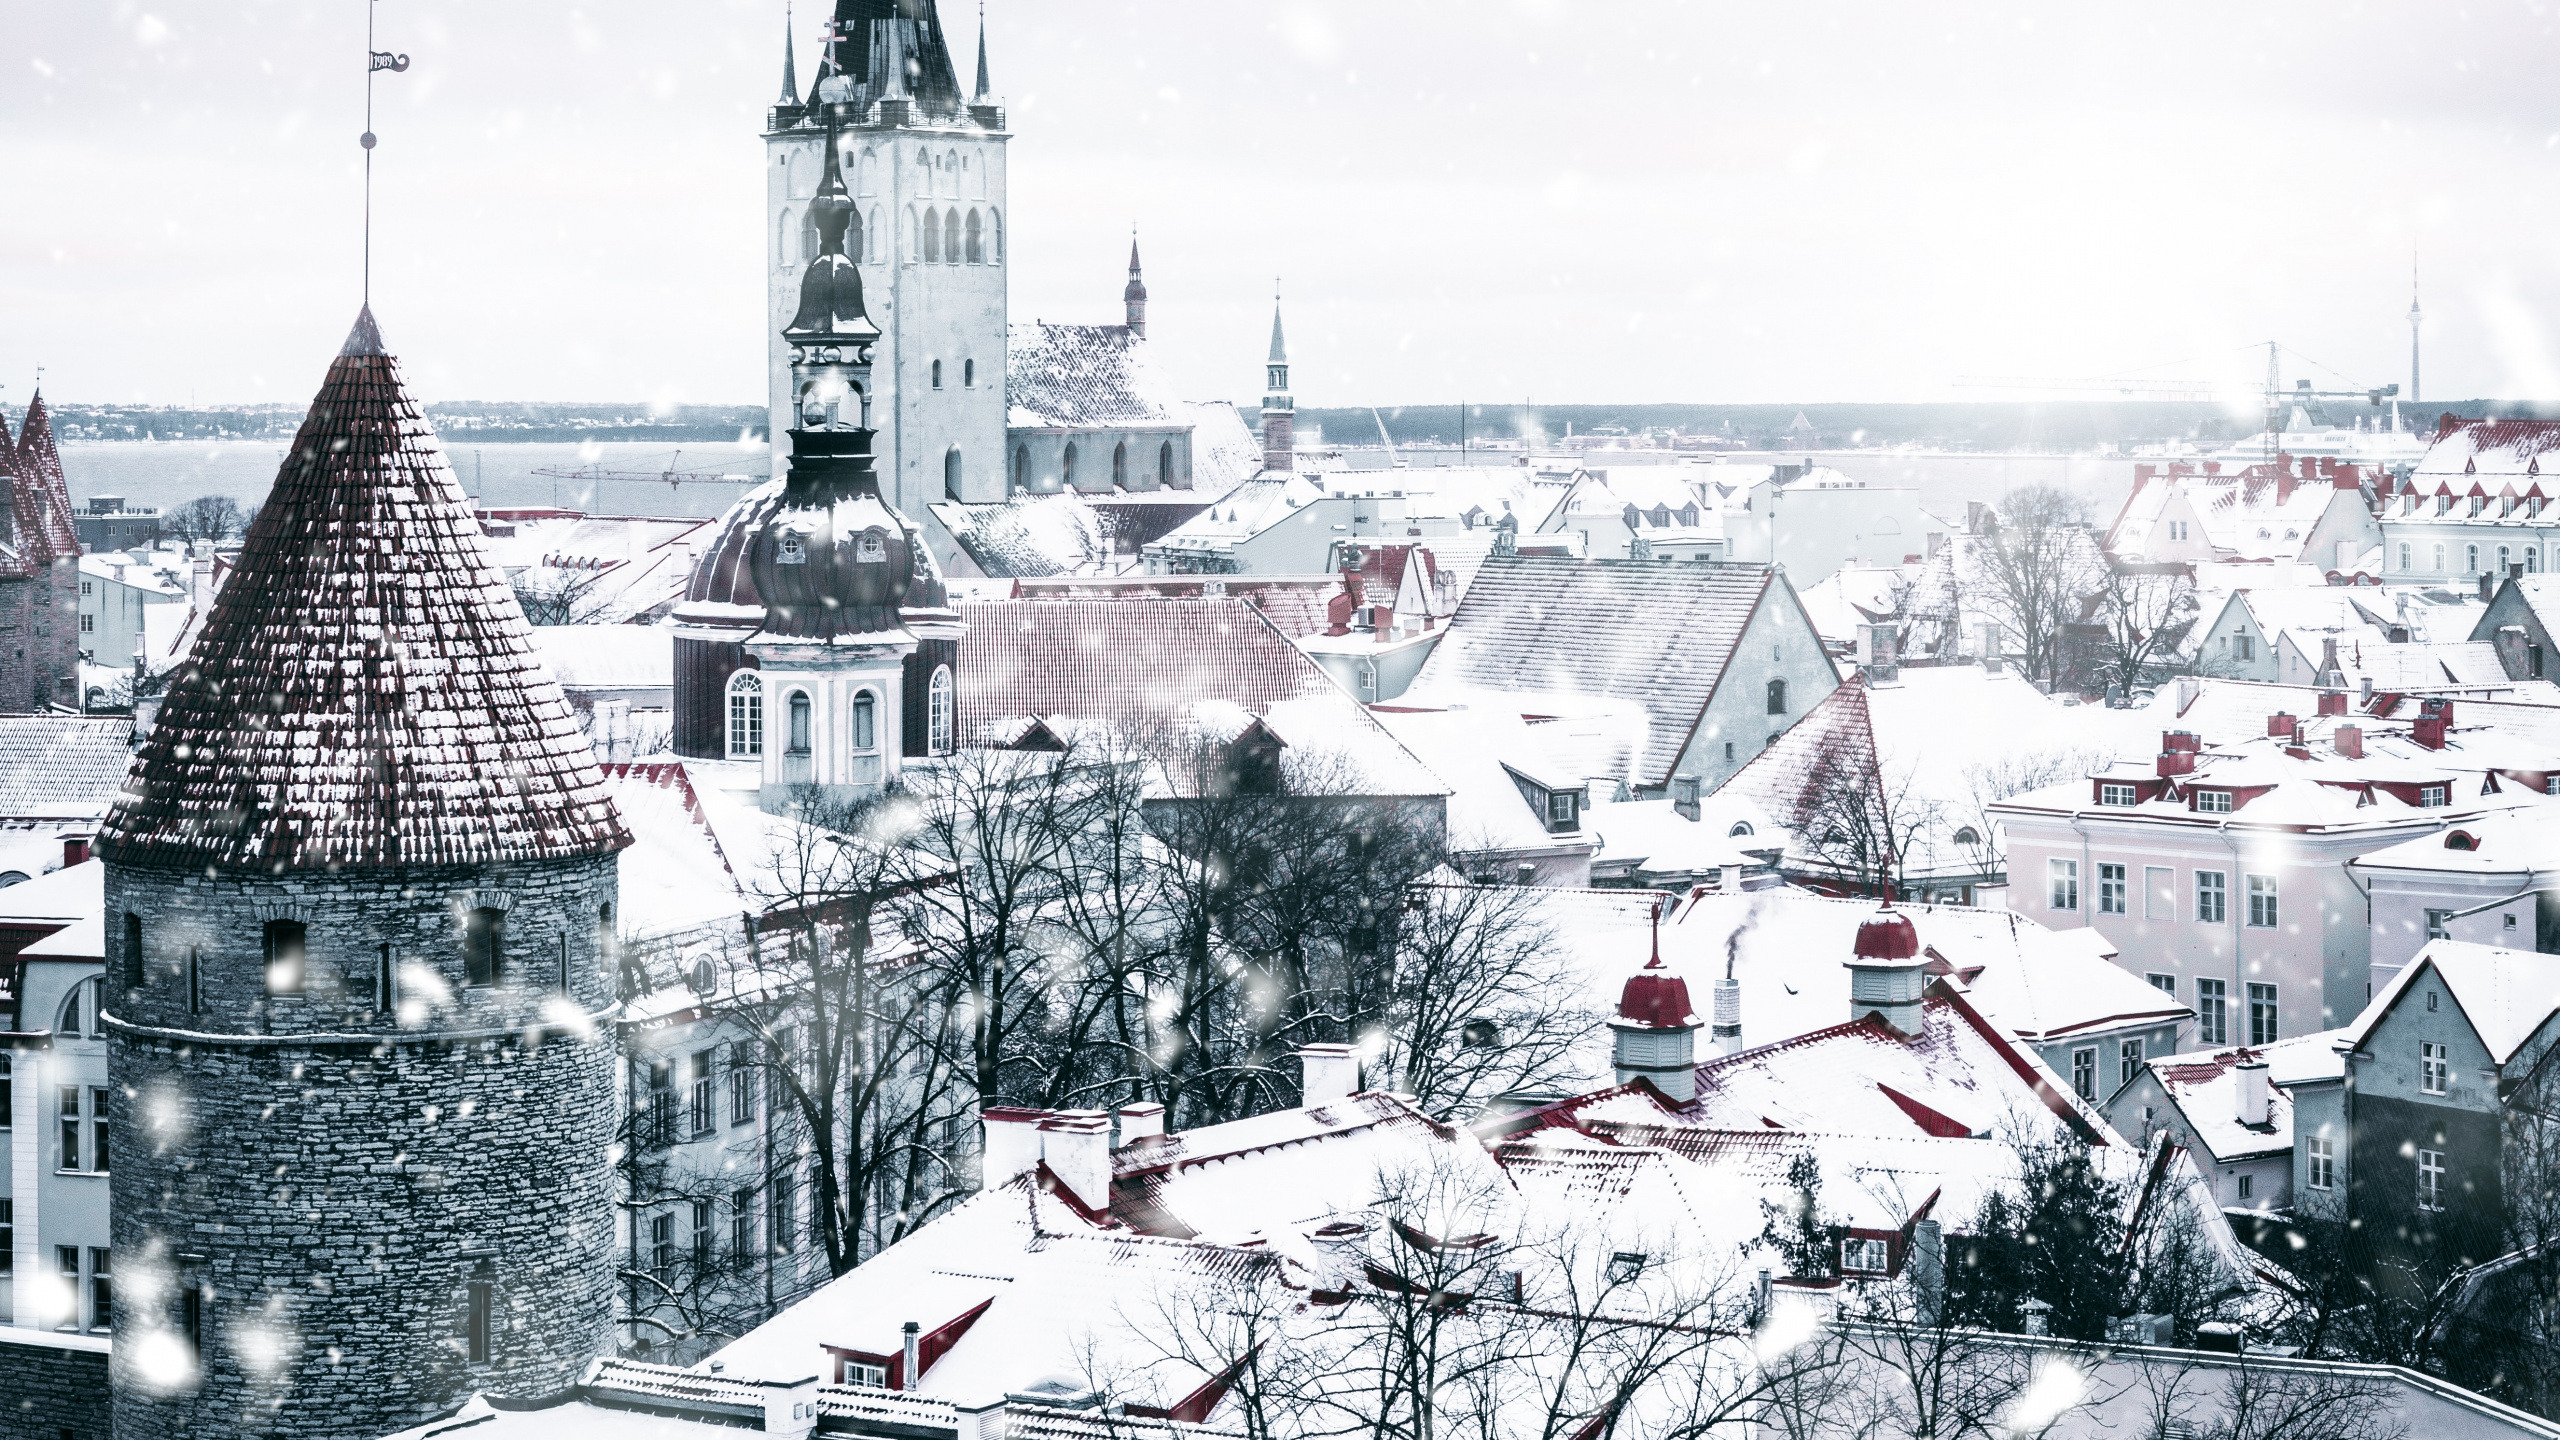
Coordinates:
940 706
1164 464
2438 566
2502 562
782 232
1021 467
79 1015
799 722
951 236
1777 697
995 238
1067 467
808 236
1740 829
483 945
746 715
1120 465
937 374
968 374
2470 559
871 241
853 240
867 175
284 943
951 172
865 729
133 976
1967 835
977 240
951 472
932 236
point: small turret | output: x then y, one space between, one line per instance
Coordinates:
1886 974
1279 411
1656 1030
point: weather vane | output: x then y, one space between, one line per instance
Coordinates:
374 60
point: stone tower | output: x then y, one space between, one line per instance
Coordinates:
39 572
926 168
1279 412
359 894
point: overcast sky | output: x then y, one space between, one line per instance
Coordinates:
1500 198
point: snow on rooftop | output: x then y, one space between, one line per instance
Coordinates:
2507 995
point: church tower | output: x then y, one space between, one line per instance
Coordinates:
359 894
1279 412
1134 298
925 168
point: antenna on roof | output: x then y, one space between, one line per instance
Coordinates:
373 60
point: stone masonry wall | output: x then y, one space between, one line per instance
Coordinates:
333 1178
52 1392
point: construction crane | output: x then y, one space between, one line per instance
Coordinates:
2275 396
1394 461
673 475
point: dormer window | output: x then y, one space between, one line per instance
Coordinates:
790 551
2430 796
2117 795
872 548
2214 802
1560 809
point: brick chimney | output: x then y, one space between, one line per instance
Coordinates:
75 848
2333 702
2349 741
2435 717
2281 726
2284 486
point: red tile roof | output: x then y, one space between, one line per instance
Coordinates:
365 691
1658 635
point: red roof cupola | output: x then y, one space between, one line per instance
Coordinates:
1656 1038
1655 998
1887 935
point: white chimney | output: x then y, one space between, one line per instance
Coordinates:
1684 797
1011 1143
1141 1121
1726 1038
2250 1092
1327 1072
1077 1146
911 1356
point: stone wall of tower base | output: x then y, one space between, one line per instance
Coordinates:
48 1389
334 1194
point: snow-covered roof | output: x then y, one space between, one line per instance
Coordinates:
410 723
2507 995
61 897
1476 752
1856 595
1162 669
1086 376
2513 842
1654 837
2489 452
1244 512
157 573
616 566
63 766
2205 1088
1029 535
608 657
1660 635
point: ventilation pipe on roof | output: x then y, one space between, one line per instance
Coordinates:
2249 1104
911 1356
1326 1073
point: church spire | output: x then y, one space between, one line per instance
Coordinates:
983 87
1135 297
790 69
1279 411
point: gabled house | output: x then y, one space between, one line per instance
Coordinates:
2226 1109
2476 505
1721 658
2520 623
2409 1146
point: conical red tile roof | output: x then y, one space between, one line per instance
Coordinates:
44 497
365 691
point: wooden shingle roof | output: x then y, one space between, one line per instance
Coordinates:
365 691
1659 635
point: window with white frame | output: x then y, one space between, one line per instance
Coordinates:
1560 807
2084 1072
2165 984
2064 890
2438 925
2404 554
940 707
2244 647
2262 901
2212 895
2435 1067
2213 1012
2214 802
2320 1163
700 1109
2128 1060
746 715
2431 796
2117 795
662 1244
2111 888
864 732
2246 1186
742 1228
1863 1255
2431 1180
2262 1015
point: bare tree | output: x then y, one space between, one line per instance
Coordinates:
2031 572
2012 774
207 517
553 596
1479 1006
2144 614
1859 820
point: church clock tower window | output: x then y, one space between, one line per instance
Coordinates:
866 728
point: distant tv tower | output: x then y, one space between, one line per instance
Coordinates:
2413 326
